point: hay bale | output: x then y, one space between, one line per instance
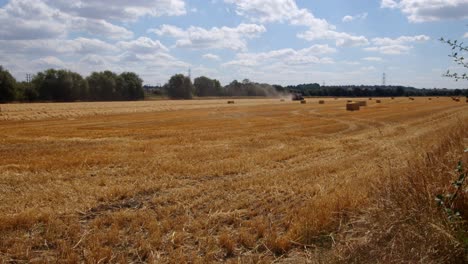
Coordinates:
370 98
429 99
349 101
303 102
362 103
321 102
411 98
353 106
378 101
230 102
393 98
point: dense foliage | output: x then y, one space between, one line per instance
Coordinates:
315 89
179 87
68 86
248 88
205 86
7 86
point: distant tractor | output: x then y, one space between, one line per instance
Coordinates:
297 97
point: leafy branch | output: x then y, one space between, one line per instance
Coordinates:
447 201
458 51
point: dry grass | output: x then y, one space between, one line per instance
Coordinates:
201 181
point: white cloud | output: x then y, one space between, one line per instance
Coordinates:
214 38
99 27
399 40
372 59
48 62
210 56
390 49
22 19
397 45
281 11
388 4
287 57
54 47
120 9
350 18
341 38
419 11
142 45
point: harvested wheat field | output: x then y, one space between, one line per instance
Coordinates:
205 181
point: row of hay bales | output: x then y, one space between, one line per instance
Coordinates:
354 106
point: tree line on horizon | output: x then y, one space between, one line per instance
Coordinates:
67 86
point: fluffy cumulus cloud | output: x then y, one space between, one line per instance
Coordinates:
23 19
395 46
56 47
234 38
120 9
350 18
285 57
429 10
35 35
287 11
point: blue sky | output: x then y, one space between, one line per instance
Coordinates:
273 41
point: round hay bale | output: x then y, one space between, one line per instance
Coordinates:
378 101
230 102
321 102
303 102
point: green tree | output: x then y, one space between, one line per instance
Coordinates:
26 92
180 87
205 86
7 86
59 85
132 86
103 86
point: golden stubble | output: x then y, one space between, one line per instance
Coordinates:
201 180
